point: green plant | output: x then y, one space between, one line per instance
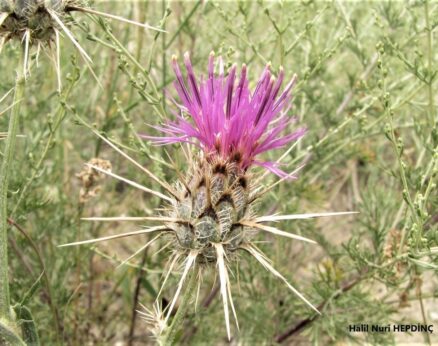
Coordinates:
366 91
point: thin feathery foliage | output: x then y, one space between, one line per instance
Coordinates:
365 92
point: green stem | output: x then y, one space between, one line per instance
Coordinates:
429 64
420 299
59 116
183 24
154 96
178 319
4 182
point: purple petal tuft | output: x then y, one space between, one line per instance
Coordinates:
227 119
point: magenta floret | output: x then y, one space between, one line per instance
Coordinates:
227 119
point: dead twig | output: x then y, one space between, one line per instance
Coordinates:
298 327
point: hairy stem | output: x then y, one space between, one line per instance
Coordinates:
178 319
8 335
4 182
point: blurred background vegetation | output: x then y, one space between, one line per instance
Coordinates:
367 93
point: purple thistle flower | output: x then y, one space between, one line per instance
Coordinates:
228 120
210 215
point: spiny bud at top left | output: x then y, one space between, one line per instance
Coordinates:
36 17
40 22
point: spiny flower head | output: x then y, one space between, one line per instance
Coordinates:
40 22
34 18
228 120
209 217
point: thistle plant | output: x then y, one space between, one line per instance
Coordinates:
210 214
366 93
29 23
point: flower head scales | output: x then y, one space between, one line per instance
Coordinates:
228 119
